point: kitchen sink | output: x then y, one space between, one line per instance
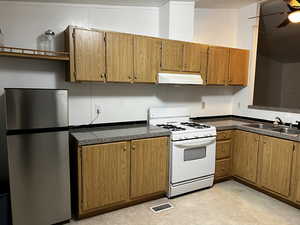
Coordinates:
260 125
287 130
280 129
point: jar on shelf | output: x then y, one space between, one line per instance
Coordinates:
49 41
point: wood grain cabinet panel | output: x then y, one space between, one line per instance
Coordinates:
119 57
89 55
194 57
218 65
223 135
223 168
172 55
223 149
296 175
105 174
149 166
245 155
146 59
276 165
238 67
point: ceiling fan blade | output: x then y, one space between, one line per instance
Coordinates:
271 14
284 23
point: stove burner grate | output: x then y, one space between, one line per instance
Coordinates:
195 125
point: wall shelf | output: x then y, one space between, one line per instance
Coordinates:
34 53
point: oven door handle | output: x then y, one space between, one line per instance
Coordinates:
194 144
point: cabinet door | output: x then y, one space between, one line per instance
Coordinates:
238 67
276 165
89 55
149 166
218 65
245 155
193 55
223 149
119 57
146 59
296 175
104 174
172 55
223 168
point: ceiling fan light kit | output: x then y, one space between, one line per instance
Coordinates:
294 17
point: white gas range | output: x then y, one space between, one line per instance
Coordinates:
193 150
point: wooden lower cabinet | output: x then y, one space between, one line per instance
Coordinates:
149 166
296 175
116 174
245 156
223 155
105 174
276 165
223 169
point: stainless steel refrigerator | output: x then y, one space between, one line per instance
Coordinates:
38 155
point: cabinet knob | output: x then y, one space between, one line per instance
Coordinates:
124 149
133 147
129 77
102 75
135 77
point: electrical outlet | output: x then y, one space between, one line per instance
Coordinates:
97 109
203 105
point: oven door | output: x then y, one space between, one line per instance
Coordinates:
193 159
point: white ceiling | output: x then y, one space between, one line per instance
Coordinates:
155 3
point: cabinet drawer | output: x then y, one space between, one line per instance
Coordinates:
223 149
223 135
222 168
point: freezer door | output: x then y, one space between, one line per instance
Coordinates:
36 108
39 178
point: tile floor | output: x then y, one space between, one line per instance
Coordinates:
227 203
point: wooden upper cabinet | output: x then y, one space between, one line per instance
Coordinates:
149 166
245 155
104 174
296 175
194 57
119 57
146 59
172 55
276 165
218 65
89 55
238 67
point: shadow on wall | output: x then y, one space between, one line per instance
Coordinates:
4 184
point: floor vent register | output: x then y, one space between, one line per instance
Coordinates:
161 207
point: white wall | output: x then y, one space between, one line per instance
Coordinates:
176 20
181 25
216 26
22 23
247 38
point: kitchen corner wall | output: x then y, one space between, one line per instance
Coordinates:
22 24
247 38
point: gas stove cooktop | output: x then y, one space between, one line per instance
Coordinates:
183 126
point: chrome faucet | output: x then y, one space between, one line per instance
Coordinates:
277 121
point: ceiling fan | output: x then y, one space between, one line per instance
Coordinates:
293 15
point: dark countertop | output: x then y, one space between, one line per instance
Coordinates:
90 136
241 124
106 134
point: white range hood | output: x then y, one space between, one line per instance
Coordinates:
172 78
